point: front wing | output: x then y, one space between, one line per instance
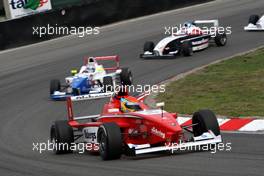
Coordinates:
198 141
154 56
252 27
64 96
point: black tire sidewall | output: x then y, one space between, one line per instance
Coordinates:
149 46
205 120
186 48
62 133
55 85
108 83
113 142
126 77
253 19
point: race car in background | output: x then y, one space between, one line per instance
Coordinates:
93 81
255 23
128 126
193 36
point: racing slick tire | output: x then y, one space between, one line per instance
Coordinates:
55 85
126 77
76 92
108 83
220 39
253 19
186 48
203 121
110 141
149 46
61 135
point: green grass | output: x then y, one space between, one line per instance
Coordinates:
234 87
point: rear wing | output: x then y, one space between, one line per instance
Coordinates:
215 23
107 58
209 27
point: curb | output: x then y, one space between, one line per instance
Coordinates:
248 124
231 124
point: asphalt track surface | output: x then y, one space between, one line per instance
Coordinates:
27 112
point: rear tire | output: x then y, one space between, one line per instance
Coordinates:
76 92
110 141
253 19
149 46
61 135
108 83
55 85
126 77
205 120
187 48
220 39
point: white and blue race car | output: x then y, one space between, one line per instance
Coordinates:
192 36
255 23
92 81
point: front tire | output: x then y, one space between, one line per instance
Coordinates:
187 49
149 46
203 121
55 85
253 19
110 141
61 135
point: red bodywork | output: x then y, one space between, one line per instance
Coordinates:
149 126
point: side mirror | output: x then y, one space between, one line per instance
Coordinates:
74 72
161 106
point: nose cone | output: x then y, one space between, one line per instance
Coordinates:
78 82
165 120
170 123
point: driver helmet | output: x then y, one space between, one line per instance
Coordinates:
129 105
91 65
188 24
90 68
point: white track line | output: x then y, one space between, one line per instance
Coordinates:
255 125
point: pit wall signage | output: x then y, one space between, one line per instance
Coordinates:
21 8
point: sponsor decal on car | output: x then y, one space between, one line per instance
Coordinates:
90 134
200 42
91 96
157 132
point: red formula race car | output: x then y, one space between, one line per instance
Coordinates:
128 126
